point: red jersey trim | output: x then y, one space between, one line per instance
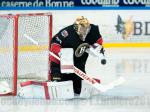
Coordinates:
55 48
100 41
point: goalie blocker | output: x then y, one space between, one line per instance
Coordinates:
66 60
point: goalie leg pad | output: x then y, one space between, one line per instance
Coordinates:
31 91
86 90
4 87
56 90
94 90
61 90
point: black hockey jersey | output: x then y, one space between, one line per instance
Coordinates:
68 38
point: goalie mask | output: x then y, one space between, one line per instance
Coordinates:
82 27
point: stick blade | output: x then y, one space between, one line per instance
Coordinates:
113 84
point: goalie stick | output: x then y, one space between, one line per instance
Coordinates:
93 82
84 76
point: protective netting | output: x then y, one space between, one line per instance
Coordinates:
6 50
33 59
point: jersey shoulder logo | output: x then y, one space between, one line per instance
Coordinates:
64 33
58 40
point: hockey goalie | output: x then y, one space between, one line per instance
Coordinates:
72 45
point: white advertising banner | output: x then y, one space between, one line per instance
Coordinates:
114 25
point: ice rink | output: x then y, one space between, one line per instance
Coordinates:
132 96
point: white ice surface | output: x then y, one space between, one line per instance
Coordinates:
132 96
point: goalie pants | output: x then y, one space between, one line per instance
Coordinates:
55 72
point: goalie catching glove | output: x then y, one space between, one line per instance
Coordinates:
103 61
97 50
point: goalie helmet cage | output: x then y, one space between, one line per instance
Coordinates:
20 58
